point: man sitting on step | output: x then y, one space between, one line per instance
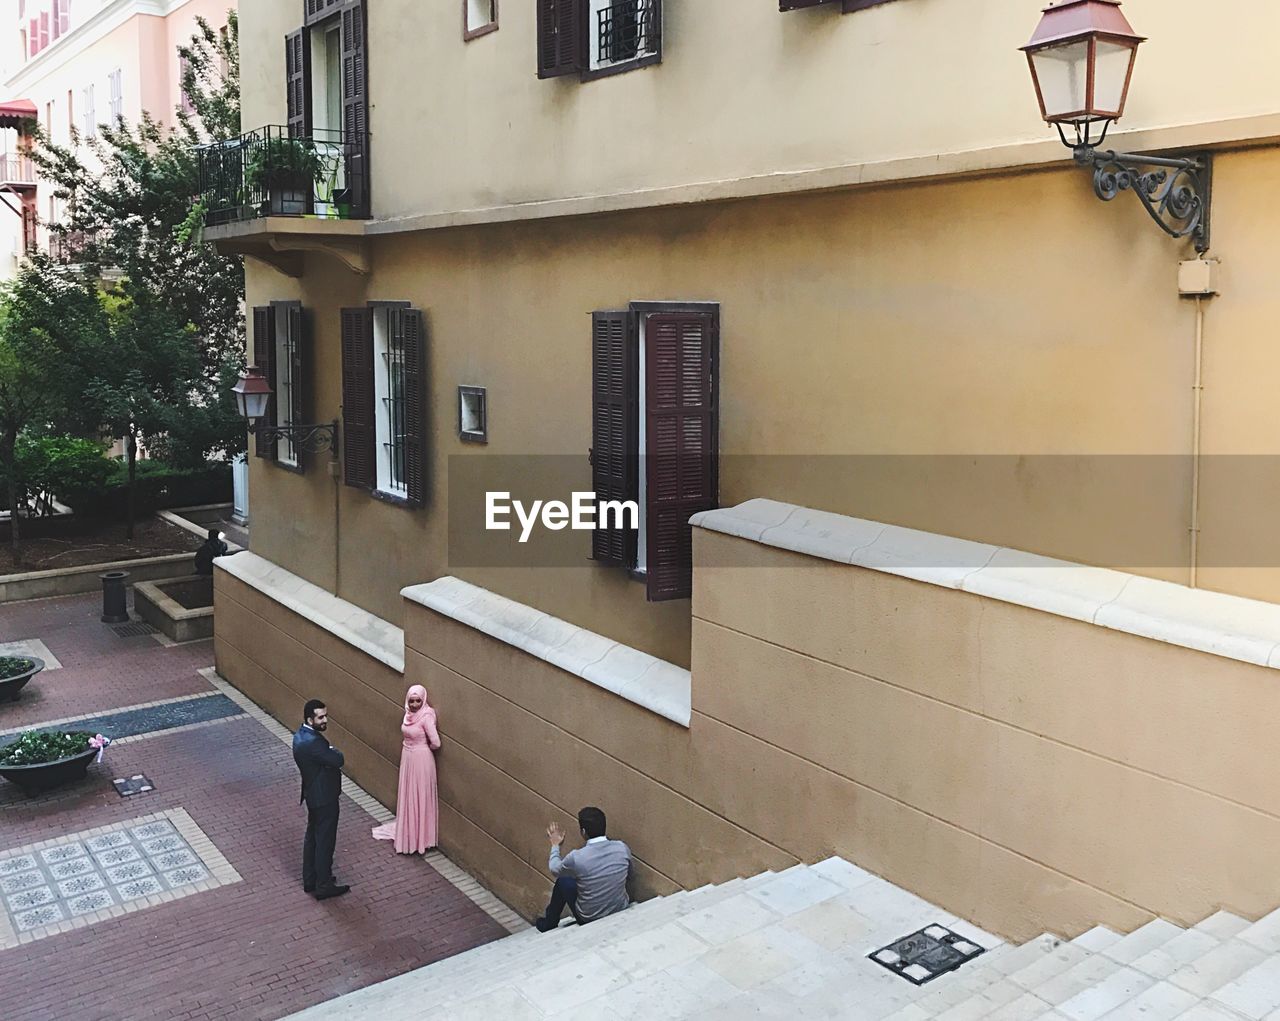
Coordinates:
591 881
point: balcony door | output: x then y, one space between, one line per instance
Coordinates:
326 113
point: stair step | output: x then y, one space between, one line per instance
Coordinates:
1264 933
1109 994
1093 971
1143 940
1213 970
1180 951
1097 939
1046 966
1256 993
1155 1003
1223 925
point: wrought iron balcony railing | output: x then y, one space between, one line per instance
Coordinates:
626 30
269 172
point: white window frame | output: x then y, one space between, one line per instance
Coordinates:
116 79
286 453
90 114
387 407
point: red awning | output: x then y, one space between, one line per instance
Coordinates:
13 113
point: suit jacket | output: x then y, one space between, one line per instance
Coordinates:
321 767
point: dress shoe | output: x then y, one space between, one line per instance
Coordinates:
325 892
312 887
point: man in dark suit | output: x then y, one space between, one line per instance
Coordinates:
321 767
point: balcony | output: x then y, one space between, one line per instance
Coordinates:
17 172
273 196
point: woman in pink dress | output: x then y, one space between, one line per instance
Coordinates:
415 828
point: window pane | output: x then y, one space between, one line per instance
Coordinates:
1061 72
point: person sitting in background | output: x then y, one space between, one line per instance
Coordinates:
213 547
591 881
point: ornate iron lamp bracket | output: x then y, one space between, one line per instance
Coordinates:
1174 192
313 439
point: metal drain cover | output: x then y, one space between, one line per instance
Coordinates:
135 629
137 784
924 955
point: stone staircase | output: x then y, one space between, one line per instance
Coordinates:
794 945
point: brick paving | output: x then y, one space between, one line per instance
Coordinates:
256 949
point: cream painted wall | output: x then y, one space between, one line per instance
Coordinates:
742 91
905 354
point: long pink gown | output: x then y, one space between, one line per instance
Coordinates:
416 826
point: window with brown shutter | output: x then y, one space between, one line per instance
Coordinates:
614 428
384 401
670 432
846 6
355 101
297 72
415 406
681 444
297 348
264 357
792 5
358 424
561 37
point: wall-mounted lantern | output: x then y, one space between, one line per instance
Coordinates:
253 394
1081 57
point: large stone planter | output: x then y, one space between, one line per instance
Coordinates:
181 608
10 686
48 775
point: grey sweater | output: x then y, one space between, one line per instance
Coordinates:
601 868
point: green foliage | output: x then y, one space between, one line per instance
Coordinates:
283 163
11 666
156 487
38 747
176 318
62 464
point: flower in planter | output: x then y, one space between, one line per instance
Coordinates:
35 748
99 742
14 666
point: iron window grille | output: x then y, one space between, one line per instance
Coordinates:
627 30
285 395
393 408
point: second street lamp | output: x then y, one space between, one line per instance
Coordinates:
1081 57
253 396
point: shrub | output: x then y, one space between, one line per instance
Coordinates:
157 486
36 747
62 464
12 666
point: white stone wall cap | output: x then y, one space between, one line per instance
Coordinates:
651 683
1234 627
371 635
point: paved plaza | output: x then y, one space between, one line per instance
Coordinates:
184 901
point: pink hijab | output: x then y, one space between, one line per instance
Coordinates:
410 718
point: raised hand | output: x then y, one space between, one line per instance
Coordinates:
555 834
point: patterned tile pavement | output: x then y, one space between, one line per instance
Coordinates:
87 877
258 949
148 719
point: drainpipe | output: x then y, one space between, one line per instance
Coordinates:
1198 279
1197 392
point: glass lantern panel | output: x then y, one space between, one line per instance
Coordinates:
1110 75
1062 73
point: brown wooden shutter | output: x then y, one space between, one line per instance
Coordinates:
682 444
615 372
355 102
300 372
561 37
415 406
359 424
264 357
297 78
318 10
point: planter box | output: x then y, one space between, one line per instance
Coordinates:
48 775
66 581
10 686
181 608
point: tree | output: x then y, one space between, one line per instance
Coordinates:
53 329
128 194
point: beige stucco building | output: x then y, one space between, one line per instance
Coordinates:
1022 659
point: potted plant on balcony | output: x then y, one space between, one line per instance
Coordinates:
42 760
284 172
15 672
